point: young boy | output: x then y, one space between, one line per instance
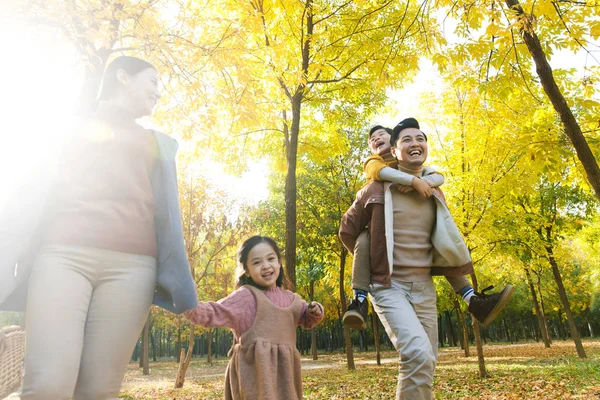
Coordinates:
381 166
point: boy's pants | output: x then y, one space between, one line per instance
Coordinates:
408 313
85 310
361 266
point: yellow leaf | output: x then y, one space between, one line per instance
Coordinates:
545 8
595 30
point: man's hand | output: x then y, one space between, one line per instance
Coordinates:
422 187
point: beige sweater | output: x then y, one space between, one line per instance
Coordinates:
414 219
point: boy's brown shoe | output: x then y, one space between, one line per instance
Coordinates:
485 307
356 314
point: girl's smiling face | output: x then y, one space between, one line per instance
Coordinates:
263 266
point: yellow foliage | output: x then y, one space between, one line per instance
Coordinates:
595 30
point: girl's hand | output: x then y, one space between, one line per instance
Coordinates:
315 309
405 189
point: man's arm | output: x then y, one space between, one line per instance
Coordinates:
354 221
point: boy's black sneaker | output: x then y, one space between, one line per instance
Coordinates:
356 314
485 307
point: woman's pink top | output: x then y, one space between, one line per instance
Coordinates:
103 197
237 311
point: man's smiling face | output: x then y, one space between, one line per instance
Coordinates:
379 142
411 148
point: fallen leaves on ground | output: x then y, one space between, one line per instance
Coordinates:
518 371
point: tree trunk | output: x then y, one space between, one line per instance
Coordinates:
465 331
506 331
209 347
480 358
565 303
292 147
290 191
450 330
347 340
313 343
178 344
477 334
544 71
538 311
363 340
349 349
185 360
543 309
375 325
535 329
153 345
440 330
301 340
160 343
313 332
134 356
169 345
145 359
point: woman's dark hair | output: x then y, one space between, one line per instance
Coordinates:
131 65
242 258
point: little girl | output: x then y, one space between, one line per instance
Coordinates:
265 363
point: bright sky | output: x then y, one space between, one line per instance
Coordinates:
407 101
39 88
40 85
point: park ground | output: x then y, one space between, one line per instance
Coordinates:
516 371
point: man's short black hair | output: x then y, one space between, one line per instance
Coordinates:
405 123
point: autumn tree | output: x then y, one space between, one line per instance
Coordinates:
330 175
212 233
471 142
504 38
546 216
290 64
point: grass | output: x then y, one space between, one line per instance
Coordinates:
517 371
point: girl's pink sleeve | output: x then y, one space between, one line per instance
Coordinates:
235 311
307 320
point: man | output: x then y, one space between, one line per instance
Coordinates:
380 166
412 238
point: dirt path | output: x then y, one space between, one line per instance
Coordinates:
311 365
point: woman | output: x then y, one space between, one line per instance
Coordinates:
107 245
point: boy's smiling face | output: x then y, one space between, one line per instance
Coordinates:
379 142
